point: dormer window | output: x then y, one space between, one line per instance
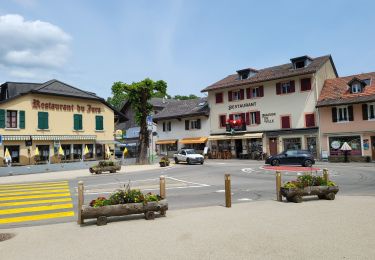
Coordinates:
301 62
246 73
356 88
356 85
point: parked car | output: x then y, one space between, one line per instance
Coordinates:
189 156
302 157
105 166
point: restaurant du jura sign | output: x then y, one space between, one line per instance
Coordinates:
37 104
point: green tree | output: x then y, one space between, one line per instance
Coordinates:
138 94
181 97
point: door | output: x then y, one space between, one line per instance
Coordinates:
373 147
273 146
238 143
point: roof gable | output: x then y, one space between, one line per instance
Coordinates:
183 108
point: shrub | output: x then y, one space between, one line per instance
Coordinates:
99 202
307 180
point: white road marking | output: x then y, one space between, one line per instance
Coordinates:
220 191
247 170
200 184
244 199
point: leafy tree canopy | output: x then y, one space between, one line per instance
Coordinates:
181 97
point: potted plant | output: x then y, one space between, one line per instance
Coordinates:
307 185
164 161
124 202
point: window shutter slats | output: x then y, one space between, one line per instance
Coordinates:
187 124
231 117
350 112
261 91
230 97
163 126
219 97
292 86
364 112
43 120
99 123
248 93
198 124
2 118
285 122
305 84
247 118
22 119
278 88
257 117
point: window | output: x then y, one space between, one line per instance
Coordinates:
77 122
300 64
367 82
43 151
254 92
305 84
43 120
253 118
77 151
219 97
11 119
310 120
99 123
342 114
222 120
371 111
236 95
167 126
292 144
14 151
285 87
356 88
335 143
285 122
192 124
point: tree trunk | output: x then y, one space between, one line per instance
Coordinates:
143 134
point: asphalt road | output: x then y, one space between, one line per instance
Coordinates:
190 186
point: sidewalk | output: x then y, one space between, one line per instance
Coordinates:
68 175
315 229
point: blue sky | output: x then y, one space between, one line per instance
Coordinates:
189 44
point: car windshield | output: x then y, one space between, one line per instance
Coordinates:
190 151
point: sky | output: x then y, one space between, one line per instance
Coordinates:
190 44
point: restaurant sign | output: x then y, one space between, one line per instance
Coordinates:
64 107
250 104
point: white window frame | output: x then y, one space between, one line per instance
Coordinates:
255 92
342 108
18 119
236 95
193 124
253 118
285 86
369 111
356 88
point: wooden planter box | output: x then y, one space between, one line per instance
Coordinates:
101 213
296 194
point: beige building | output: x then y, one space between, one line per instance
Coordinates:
270 109
44 117
347 114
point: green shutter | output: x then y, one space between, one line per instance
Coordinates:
99 122
2 118
43 120
22 119
77 122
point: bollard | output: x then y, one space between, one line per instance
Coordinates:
228 194
162 187
278 186
325 175
80 202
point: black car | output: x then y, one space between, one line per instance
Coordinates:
302 157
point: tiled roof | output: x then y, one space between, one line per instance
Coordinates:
271 73
336 91
183 108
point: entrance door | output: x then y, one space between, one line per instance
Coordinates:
273 145
238 143
373 147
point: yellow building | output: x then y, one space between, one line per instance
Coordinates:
53 122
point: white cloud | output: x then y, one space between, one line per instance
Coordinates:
31 45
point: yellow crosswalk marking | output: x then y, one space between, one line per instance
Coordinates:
36 217
32 183
33 192
30 186
33 202
34 209
36 196
60 186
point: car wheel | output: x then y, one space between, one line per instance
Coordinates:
275 162
330 196
202 162
176 160
297 199
307 163
188 161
